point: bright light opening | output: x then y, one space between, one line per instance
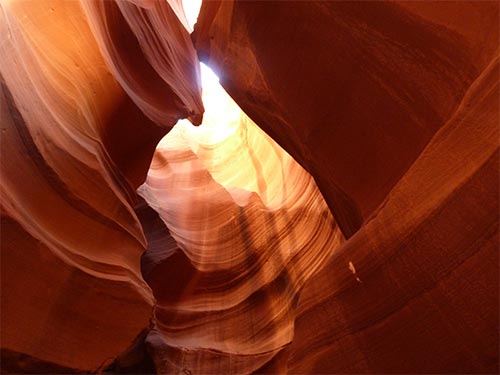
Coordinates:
191 10
236 153
221 118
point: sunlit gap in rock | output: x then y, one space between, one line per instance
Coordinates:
229 145
191 10
221 116
250 228
221 112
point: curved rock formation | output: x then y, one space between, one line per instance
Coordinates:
71 242
416 289
392 107
353 90
151 54
250 228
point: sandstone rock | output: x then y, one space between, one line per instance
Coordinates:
422 292
390 110
74 148
250 227
353 90
150 53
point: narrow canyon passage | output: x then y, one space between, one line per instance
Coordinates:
326 202
250 228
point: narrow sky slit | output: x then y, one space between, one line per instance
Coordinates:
191 10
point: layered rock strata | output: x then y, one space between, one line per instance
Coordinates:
74 148
250 228
416 289
392 107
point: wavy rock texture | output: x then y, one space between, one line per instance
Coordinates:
392 107
421 294
352 90
151 54
250 228
71 242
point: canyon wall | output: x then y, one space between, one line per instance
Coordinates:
353 90
422 292
76 143
250 228
393 105
368 244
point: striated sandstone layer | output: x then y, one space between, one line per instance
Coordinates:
393 109
352 90
416 289
247 227
74 148
151 54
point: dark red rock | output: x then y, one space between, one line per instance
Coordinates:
423 293
391 106
352 90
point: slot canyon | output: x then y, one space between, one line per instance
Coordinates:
237 187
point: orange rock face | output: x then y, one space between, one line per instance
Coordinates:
250 229
354 91
422 292
74 148
345 222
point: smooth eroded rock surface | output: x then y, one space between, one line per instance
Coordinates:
250 228
370 247
353 90
74 148
416 289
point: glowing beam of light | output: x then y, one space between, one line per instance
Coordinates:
191 10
